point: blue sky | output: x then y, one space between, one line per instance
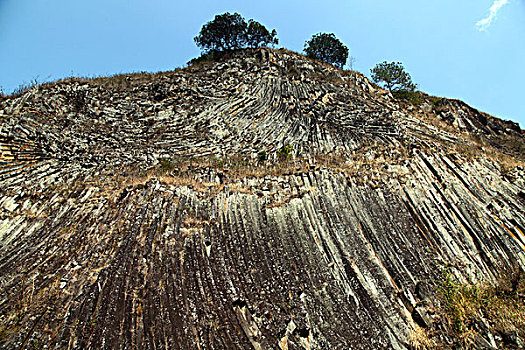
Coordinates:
438 42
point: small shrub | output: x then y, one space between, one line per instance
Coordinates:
262 157
218 162
167 165
461 302
412 97
210 56
285 152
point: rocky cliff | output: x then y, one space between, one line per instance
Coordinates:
261 201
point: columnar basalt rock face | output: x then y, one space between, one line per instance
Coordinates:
97 250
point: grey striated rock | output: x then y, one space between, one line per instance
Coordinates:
120 228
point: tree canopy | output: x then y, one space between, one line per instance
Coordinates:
326 47
231 31
257 35
392 75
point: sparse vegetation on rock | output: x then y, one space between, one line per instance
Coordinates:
482 315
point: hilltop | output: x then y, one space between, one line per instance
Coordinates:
260 200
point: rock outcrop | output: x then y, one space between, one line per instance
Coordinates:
137 212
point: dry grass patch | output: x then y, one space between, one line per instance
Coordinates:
420 339
501 305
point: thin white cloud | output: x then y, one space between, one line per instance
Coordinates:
485 23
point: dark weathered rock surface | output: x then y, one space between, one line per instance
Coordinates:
98 252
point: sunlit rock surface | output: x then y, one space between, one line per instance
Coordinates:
103 247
